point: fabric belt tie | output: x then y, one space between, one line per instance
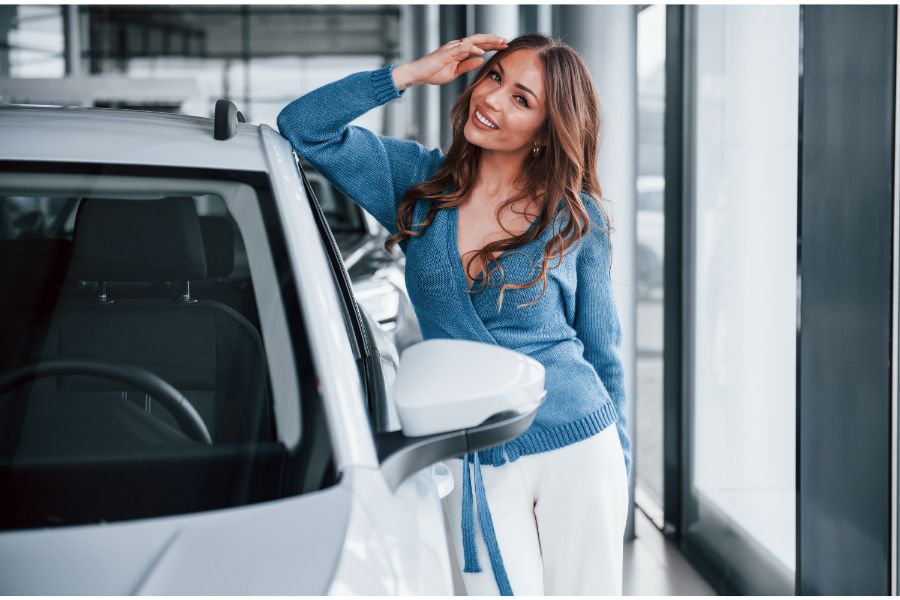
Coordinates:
487 529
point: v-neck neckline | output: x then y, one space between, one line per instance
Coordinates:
460 267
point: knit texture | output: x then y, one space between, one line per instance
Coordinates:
573 329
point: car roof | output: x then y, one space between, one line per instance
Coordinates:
124 137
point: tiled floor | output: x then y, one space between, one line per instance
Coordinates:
652 566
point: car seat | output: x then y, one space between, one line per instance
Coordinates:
207 350
220 284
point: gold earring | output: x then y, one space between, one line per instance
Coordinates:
534 150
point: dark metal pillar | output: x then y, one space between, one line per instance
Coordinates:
7 18
426 98
72 35
844 458
676 164
453 21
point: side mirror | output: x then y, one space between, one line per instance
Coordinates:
443 385
454 397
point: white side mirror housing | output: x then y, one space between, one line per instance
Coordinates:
443 385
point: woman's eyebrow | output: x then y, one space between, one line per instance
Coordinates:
518 85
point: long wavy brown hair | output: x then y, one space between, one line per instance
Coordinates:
554 178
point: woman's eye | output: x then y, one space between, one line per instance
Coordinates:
520 99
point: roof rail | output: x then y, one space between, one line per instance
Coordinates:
227 117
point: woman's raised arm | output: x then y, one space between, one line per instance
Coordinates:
375 171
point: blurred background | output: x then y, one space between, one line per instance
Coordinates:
764 451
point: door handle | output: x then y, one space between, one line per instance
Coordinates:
443 479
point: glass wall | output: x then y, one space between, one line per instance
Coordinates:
651 61
740 489
260 87
260 57
31 41
274 82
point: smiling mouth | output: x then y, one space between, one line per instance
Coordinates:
484 120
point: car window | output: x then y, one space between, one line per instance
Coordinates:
30 216
342 214
149 362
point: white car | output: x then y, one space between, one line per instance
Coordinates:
191 401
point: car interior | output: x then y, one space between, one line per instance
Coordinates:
133 375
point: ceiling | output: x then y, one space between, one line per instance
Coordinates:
239 32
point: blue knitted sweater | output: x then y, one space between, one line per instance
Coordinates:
573 330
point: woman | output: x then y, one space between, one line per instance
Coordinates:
505 243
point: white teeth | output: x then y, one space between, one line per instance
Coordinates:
481 118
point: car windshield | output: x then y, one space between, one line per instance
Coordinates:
147 360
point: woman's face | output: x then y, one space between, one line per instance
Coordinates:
512 98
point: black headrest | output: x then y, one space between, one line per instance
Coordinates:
218 241
138 240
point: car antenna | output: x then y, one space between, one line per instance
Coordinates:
227 116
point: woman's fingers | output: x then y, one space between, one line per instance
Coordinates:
468 65
456 57
481 41
466 49
485 37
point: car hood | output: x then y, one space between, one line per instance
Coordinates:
286 547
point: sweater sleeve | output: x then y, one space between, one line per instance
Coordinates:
596 319
375 171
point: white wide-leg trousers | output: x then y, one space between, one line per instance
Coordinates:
559 517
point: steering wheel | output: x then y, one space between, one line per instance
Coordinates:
185 414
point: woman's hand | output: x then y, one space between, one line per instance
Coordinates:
447 62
